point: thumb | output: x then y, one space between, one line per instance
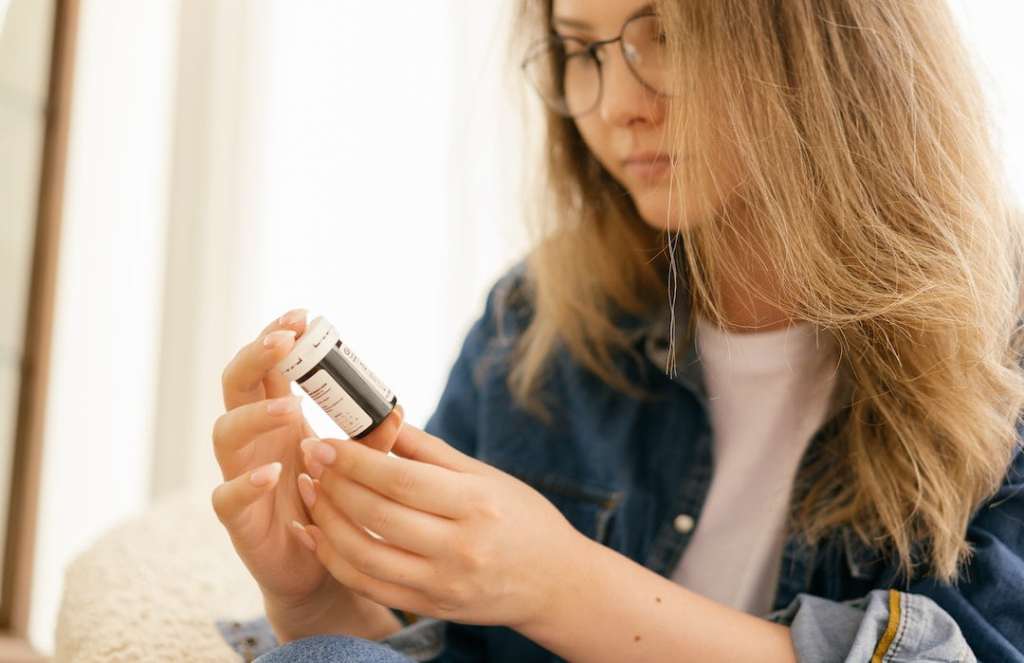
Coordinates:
382 438
232 498
415 444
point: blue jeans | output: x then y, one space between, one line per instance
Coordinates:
332 649
254 640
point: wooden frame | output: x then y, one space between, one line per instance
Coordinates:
26 462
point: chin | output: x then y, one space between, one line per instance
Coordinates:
653 206
657 214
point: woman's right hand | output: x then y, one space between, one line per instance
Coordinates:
256 442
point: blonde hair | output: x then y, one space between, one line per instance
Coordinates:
873 191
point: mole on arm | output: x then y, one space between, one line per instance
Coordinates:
658 599
636 638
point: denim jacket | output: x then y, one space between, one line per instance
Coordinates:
634 474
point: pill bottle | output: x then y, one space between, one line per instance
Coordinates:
337 379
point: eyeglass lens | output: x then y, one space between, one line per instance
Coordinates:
567 74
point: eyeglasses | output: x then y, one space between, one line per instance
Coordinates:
566 71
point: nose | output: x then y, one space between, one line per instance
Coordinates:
625 101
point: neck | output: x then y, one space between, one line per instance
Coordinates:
746 310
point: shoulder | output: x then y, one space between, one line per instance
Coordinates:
509 306
506 313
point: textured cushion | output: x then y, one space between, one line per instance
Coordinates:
154 587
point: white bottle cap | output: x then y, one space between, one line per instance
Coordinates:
309 349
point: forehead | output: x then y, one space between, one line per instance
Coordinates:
599 16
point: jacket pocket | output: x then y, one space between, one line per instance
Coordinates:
590 509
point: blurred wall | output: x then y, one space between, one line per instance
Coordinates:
102 391
230 160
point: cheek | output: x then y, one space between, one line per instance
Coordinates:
694 197
597 140
700 191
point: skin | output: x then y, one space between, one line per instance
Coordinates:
630 119
458 539
463 541
300 596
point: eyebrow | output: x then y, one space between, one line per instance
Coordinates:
583 25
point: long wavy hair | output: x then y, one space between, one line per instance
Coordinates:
872 191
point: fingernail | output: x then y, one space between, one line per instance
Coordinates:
276 339
318 450
283 405
265 474
307 490
308 443
292 317
303 536
315 469
323 452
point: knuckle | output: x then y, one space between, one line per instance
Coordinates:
366 562
229 370
345 460
485 507
452 597
380 519
218 429
405 483
217 501
340 569
470 556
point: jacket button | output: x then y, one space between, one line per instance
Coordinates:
683 523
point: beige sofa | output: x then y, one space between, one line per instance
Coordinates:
153 588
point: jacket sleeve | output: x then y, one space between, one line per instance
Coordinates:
981 617
884 625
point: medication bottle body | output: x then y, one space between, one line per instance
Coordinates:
337 379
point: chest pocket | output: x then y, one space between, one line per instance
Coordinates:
590 509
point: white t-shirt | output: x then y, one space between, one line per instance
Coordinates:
768 393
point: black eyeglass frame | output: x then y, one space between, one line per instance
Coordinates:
590 51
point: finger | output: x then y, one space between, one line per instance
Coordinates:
231 500
382 438
421 486
237 428
250 368
365 553
298 530
378 591
422 533
313 466
415 444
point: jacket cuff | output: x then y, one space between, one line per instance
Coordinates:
421 640
884 625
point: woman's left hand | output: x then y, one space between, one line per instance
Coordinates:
462 541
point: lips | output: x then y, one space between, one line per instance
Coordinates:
647 165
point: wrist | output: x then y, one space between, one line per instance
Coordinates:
566 585
336 612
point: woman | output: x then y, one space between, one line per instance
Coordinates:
753 395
